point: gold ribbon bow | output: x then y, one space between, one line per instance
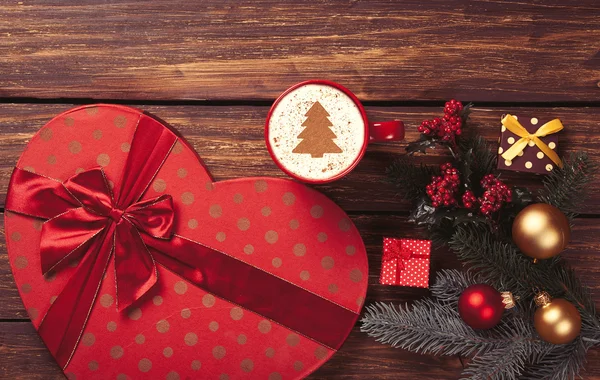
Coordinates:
513 125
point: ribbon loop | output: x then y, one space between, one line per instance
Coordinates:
513 125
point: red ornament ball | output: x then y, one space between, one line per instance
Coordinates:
481 306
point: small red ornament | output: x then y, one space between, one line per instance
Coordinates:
481 306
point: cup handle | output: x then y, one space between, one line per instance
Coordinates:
392 130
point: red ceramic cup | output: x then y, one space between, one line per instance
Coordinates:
317 131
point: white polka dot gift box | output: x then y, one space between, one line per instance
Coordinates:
405 262
133 263
529 144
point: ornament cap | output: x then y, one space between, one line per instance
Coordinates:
508 300
542 299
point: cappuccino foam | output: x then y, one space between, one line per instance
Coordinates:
344 119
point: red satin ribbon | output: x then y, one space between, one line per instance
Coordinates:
88 223
397 251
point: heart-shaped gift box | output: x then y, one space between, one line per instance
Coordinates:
133 263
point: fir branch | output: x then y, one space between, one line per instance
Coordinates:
565 188
410 179
450 283
561 362
562 281
429 327
475 161
498 263
503 363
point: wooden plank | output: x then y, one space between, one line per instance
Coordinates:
486 50
25 356
372 229
230 140
582 254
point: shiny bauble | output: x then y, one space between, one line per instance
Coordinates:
480 306
557 321
541 231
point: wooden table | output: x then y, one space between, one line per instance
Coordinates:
212 68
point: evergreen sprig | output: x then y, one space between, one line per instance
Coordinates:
565 187
420 175
450 283
430 327
512 349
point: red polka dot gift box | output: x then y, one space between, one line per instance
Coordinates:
405 262
133 263
529 144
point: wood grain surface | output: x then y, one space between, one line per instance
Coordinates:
382 50
225 134
212 68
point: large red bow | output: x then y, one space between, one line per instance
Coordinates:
85 221
82 230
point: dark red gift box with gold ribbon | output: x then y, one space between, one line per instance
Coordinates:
133 263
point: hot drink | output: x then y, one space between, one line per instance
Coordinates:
317 131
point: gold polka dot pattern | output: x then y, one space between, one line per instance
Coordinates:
117 352
135 314
213 326
299 249
193 224
191 339
260 186
88 339
186 313
243 224
247 365
145 365
264 326
75 147
180 287
103 159
271 237
196 365
106 300
208 300
93 365
293 340
120 121
317 211
159 185
248 249
215 211
219 352
236 313
260 224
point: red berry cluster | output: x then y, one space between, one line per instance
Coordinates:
442 190
469 200
447 127
495 194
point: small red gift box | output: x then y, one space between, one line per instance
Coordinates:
405 262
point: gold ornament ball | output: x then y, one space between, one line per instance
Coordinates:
541 231
557 322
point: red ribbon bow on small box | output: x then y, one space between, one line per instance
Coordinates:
405 262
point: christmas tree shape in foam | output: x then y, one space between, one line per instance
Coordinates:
317 137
